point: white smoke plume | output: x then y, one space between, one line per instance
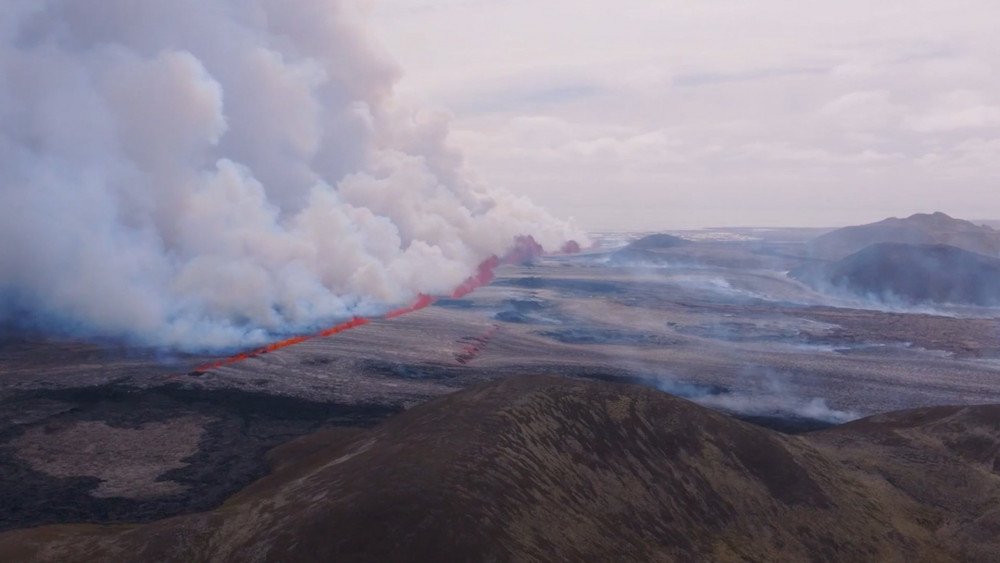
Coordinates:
206 173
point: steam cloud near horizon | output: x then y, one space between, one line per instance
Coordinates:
203 174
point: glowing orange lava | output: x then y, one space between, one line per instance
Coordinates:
421 302
484 275
525 249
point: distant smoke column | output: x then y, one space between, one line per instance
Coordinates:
207 173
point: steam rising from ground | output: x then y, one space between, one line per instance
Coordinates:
203 174
768 394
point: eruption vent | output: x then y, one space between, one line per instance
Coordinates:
208 173
523 251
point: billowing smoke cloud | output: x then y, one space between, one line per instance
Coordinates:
207 173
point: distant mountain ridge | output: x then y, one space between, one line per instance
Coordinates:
921 228
911 274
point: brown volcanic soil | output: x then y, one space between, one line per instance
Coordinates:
540 468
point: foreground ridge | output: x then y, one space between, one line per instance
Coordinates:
551 468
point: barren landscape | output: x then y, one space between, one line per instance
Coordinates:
717 322
546 468
481 280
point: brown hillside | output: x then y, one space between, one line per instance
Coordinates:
539 468
921 229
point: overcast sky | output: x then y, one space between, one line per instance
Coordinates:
648 114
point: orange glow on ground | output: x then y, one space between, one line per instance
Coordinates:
525 249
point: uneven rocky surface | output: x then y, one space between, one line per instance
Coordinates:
157 441
541 468
95 449
113 453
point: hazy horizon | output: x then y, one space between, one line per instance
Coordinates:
994 223
646 115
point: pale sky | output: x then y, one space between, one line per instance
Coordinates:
650 115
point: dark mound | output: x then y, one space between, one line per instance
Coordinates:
658 241
649 248
913 274
550 469
922 228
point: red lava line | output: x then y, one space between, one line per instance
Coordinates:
484 275
525 248
479 343
421 302
348 325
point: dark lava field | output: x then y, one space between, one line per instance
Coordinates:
97 433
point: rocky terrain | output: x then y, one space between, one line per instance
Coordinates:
103 438
117 453
543 468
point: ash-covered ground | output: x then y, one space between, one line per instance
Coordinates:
92 432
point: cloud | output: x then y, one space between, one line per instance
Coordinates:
694 79
870 110
208 173
958 110
828 112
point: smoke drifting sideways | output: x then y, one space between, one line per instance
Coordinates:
208 174
525 250
767 393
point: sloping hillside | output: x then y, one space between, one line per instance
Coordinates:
922 228
540 468
650 248
912 274
657 241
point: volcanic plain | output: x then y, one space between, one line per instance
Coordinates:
101 433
